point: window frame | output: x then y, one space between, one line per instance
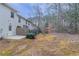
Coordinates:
12 14
10 28
19 19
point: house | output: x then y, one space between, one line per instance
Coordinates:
10 20
8 17
23 25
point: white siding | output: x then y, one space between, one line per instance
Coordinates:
5 20
23 22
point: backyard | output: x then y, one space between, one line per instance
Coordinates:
55 44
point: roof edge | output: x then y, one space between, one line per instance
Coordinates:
4 4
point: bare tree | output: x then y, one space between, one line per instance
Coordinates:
39 16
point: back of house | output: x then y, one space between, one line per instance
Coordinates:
9 20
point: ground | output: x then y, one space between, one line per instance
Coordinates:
55 44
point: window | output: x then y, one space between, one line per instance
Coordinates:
18 26
10 28
12 14
25 26
19 20
28 23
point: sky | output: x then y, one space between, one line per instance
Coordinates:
26 9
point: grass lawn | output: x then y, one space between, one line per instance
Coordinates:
44 45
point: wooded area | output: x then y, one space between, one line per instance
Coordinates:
63 17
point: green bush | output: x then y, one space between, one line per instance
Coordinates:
32 33
30 36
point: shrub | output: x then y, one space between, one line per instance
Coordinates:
30 35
